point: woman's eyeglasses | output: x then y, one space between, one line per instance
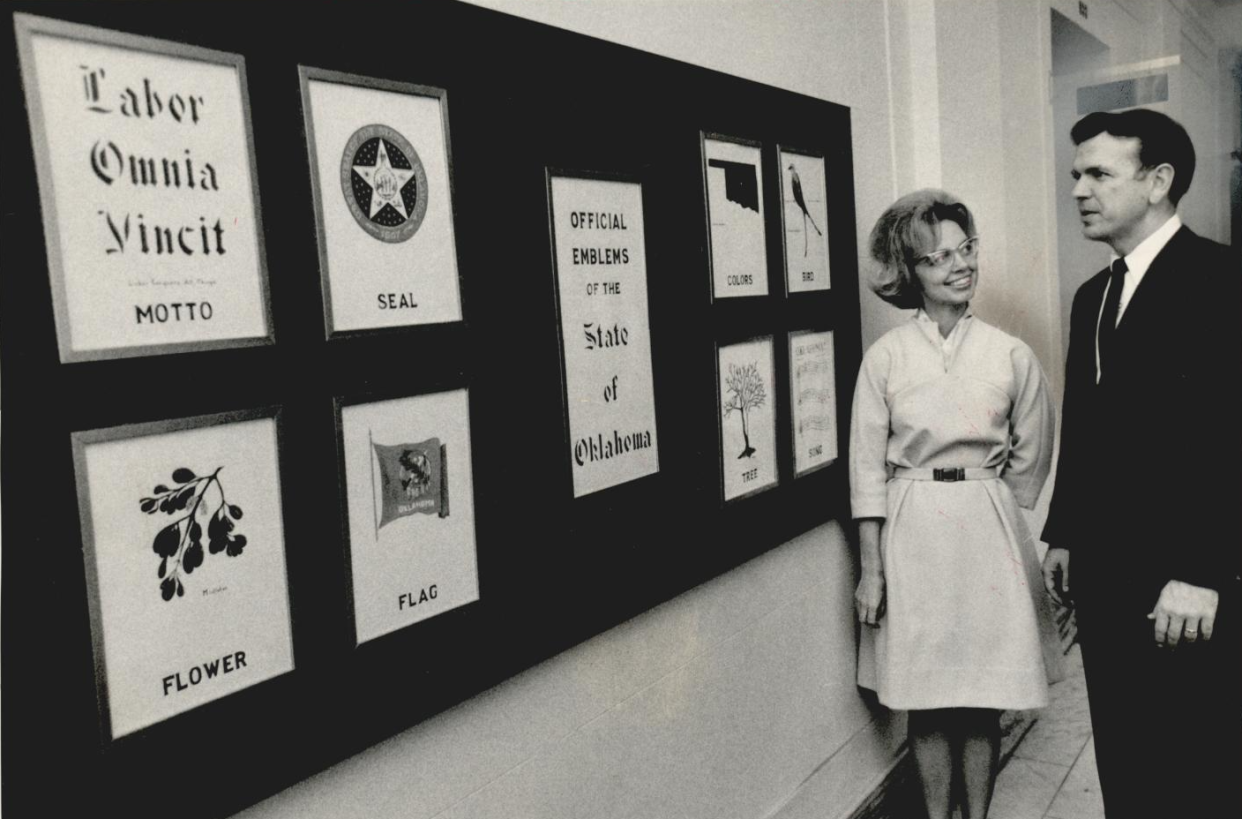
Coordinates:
968 250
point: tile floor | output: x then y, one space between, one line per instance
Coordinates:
1051 774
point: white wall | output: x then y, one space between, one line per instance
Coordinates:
737 698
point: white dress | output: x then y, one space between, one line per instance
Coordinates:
968 623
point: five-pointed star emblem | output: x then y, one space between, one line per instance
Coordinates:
386 183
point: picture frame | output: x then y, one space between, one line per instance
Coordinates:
603 316
184 641
409 526
813 400
746 383
804 213
381 174
144 154
736 224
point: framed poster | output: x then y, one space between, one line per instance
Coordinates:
746 415
600 254
381 175
150 206
183 534
804 217
813 396
409 496
733 182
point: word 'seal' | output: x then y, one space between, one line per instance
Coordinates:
147 104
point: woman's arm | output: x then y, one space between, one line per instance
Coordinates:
869 597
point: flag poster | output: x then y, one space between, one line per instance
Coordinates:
410 498
804 213
184 543
734 182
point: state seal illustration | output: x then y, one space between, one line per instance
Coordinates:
384 183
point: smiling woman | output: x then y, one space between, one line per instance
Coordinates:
951 435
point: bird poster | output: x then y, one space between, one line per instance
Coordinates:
804 214
381 178
184 542
601 278
734 182
813 397
747 417
150 198
409 490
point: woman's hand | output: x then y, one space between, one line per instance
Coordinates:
869 598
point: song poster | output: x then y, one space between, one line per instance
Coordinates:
813 388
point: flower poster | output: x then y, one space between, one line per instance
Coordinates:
184 539
410 498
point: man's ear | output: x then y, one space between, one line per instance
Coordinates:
1162 181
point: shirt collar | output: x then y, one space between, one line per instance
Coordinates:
1139 259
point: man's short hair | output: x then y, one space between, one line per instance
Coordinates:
1161 140
904 233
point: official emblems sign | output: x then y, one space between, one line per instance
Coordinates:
381 174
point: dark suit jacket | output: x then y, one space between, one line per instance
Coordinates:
1149 481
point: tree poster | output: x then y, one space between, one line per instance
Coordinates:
747 417
410 495
184 538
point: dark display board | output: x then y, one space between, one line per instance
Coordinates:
525 106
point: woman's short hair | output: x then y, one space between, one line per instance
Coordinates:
906 231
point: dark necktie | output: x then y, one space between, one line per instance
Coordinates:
1108 318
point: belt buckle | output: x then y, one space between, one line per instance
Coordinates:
949 475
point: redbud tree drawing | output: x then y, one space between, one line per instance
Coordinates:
746 392
181 541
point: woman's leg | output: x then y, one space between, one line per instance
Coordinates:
933 752
980 752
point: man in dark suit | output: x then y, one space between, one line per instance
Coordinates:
1148 490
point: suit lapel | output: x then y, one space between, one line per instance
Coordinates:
1151 301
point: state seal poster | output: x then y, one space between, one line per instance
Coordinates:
746 414
813 388
733 178
382 185
150 206
184 545
601 281
409 490
804 214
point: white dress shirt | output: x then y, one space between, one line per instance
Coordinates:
1137 262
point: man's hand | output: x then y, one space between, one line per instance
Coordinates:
1056 575
869 598
1184 613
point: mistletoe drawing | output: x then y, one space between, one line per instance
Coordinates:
182 540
